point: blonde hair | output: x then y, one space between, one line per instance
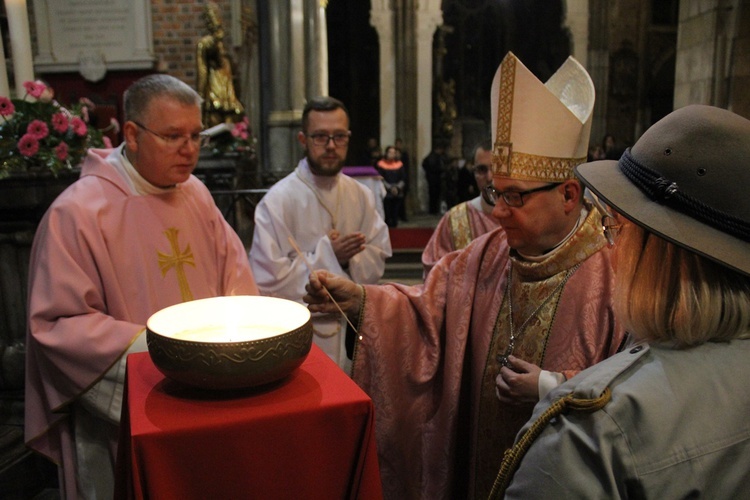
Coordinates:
665 293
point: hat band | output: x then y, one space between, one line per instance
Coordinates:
667 192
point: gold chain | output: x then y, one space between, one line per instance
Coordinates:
320 200
503 358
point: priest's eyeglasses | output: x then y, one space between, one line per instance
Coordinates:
511 198
176 141
340 139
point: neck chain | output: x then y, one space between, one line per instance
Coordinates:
320 200
503 358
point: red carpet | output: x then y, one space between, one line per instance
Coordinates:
409 237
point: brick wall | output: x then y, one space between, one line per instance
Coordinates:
177 25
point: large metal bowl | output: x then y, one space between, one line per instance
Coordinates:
229 342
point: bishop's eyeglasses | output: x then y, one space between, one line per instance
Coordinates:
511 198
176 141
339 139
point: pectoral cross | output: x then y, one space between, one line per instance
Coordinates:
177 260
503 358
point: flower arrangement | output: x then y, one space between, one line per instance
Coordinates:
37 134
234 138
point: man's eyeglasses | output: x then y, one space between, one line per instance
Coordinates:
512 198
176 141
611 228
340 139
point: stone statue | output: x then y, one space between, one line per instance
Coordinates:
215 78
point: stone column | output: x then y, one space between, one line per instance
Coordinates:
598 66
381 18
705 42
316 49
577 19
298 67
428 17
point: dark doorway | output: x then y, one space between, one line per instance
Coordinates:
353 70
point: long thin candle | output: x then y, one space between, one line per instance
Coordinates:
20 43
4 86
309 268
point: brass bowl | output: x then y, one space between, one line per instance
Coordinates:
229 342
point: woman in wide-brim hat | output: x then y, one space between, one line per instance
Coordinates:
667 418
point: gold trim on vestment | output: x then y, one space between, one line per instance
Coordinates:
460 226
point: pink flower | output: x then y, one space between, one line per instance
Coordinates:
60 122
34 89
239 129
79 126
107 142
6 107
61 151
37 129
28 145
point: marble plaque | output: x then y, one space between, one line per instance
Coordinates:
91 36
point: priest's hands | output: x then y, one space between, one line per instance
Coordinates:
346 246
347 294
518 382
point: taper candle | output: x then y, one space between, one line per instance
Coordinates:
4 86
20 43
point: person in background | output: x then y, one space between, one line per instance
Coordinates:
391 168
466 221
135 234
434 165
669 417
455 365
610 148
466 185
330 217
372 150
406 160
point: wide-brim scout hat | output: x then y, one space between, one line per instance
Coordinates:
540 130
686 180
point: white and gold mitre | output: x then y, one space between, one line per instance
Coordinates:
541 131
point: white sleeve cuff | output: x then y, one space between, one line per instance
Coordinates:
548 381
104 399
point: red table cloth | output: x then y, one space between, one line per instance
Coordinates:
309 436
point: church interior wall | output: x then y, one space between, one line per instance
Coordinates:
645 57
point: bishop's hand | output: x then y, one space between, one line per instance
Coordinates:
345 292
518 382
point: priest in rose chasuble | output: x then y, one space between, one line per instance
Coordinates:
135 234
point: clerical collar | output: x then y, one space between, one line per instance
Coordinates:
549 253
138 185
